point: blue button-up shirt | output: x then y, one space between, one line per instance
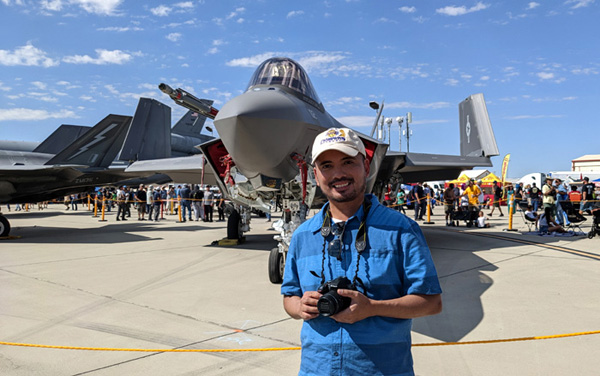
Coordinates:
395 263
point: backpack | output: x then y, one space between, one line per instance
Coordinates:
411 195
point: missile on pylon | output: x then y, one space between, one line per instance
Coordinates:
189 101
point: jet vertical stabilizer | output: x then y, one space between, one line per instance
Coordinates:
191 123
61 138
149 136
98 147
476 135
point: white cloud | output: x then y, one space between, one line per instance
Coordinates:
161 11
213 51
235 13
451 82
545 75
412 105
580 3
120 29
27 55
524 117
462 10
173 37
39 85
295 13
185 5
408 9
104 57
532 5
27 114
52 5
102 7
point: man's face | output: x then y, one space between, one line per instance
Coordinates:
342 178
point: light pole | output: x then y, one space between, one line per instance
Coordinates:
399 119
408 121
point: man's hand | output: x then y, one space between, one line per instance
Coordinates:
308 305
359 308
304 307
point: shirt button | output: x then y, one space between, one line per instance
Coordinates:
336 353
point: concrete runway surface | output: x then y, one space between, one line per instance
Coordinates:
70 280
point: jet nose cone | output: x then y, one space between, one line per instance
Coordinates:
262 128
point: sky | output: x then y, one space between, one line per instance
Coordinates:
537 64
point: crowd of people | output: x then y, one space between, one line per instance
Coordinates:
152 202
470 197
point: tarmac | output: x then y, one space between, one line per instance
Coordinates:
93 288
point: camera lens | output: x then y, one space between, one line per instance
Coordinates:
328 305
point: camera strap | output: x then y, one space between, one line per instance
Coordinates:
360 243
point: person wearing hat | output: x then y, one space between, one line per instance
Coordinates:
587 196
472 193
379 250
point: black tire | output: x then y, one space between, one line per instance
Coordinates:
591 234
276 266
233 225
4 226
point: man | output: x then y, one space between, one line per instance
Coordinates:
549 198
472 193
185 194
207 201
449 199
140 199
394 271
122 196
587 196
534 195
497 199
420 201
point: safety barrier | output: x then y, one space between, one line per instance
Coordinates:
179 350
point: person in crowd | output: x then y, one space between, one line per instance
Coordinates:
157 198
534 195
497 199
549 197
472 194
185 194
397 283
220 202
561 196
140 199
420 201
400 200
208 204
482 220
587 196
449 199
121 203
149 206
546 224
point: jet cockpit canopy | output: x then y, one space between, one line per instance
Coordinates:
284 71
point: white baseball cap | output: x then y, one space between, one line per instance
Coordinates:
344 140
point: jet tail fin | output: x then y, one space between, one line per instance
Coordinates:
61 138
191 123
98 147
476 135
149 136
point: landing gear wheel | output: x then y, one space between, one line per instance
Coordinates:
276 266
233 225
4 226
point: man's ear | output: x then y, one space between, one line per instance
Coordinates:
367 166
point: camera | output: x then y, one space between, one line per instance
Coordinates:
331 302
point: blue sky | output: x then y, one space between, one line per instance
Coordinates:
537 64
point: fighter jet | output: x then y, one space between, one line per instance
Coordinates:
97 156
266 139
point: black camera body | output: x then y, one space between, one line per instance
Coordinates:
331 302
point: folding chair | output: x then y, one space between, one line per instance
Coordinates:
573 216
530 222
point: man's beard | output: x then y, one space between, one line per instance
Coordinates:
359 190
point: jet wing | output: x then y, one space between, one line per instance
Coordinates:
419 167
181 169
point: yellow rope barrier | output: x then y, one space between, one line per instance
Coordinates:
556 336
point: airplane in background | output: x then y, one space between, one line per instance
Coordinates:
265 146
74 159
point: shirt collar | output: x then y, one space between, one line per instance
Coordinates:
317 222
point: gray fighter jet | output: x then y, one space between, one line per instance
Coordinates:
97 156
265 147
